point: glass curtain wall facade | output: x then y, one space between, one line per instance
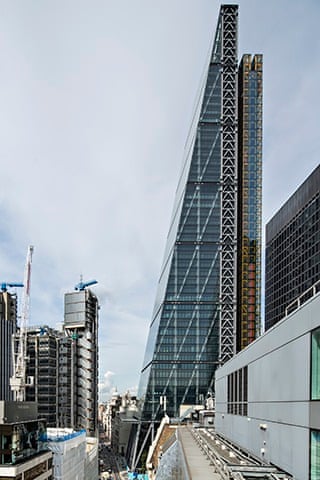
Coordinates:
194 322
315 395
183 345
314 454
292 249
250 199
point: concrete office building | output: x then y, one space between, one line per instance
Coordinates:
201 315
268 396
8 325
293 249
81 326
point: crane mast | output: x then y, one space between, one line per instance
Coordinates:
18 381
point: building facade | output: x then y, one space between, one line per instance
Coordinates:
249 200
8 326
292 249
50 367
215 231
67 387
42 368
268 396
116 420
81 325
22 452
62 366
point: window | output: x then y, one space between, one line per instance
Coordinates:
237 392
315 455
315 365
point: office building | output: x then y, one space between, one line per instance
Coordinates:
42 369
249 200
267 396
50 371
23 455
292 249
201 315
62 366
8 325
66 382
81 326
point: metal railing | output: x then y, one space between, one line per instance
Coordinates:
235 464
303 298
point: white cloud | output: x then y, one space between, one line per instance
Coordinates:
96 103
106 387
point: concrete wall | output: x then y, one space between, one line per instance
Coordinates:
280 414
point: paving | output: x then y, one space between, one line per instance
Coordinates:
198 464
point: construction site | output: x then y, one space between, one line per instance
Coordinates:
49 396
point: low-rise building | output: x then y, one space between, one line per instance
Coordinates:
75 456
268 396
22 453
117 420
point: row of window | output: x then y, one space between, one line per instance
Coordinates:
209 273
187 306
194 281
282 264
183 318
237 392
188 319
302 219
193 331
167 355
184 375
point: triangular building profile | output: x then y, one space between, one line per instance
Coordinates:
208 300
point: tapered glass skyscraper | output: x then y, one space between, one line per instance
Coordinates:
200 318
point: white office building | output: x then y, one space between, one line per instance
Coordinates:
268 396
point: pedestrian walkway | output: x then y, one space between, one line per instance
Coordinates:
198 465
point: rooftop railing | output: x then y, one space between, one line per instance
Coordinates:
303 298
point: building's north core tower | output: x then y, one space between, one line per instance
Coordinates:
208 300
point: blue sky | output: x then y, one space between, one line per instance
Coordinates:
96 102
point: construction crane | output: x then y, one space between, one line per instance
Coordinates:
18 381
82 285
4 286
